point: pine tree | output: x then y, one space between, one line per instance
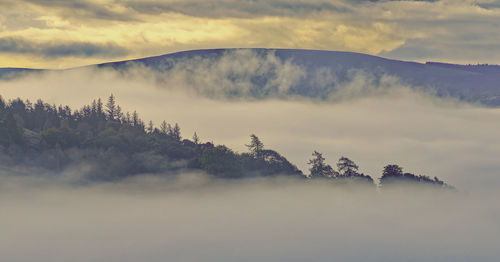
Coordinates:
196 139
163 127
127 118
118 113
94 108
150 127
347 167
135 119
99 108
111 107
392 171
319 169
2 104
255 146
176 132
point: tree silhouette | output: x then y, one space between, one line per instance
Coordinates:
163 127
255 146
318 167
346 167
392 171
111 107
196 139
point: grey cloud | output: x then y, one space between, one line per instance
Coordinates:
199 8
53 49
230 8
83 9
489 4
477 50
129 9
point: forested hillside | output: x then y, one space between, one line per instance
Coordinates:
108 144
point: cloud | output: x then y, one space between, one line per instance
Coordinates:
52 49
429 50
235 74
238 9
101 10
456 29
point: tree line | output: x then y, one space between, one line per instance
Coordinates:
112 144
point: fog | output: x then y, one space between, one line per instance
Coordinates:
194 218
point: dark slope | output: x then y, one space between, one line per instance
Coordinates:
472 83
10 73
479 83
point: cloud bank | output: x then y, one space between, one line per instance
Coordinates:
195 219
55 50
450 31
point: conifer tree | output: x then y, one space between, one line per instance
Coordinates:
196 139
255 146
319 169
176 132
150 127
347 167
111 107
164 127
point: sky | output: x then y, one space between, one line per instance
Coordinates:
63 34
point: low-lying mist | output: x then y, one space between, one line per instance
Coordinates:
191 217
194 218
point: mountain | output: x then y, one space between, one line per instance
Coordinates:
9 73
471 83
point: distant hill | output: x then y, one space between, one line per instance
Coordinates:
471 83
9 73
113 145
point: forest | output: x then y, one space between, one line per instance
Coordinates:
108 144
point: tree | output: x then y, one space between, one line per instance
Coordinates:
319 169
176 132
2 104
196 139
11 132
99 108
150 127
391 174
93 110
118 113
221 161
255 146
347 167
135 119
164 127
111 107
392 171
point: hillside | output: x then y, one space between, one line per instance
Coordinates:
324 71
106 144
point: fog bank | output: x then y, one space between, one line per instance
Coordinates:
193 218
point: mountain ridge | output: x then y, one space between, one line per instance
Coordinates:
470 83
